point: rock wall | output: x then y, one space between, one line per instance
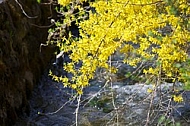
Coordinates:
22 61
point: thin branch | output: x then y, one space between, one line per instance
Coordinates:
24 11
113 101
51 113
77 109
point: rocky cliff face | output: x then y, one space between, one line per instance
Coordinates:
21 59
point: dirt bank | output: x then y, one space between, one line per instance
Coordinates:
21 62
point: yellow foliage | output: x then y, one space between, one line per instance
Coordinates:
178 98
64 2
160 28
149 90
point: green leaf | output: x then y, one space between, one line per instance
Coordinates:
150 33
178 124
187 86
173 10
128 74
178 65
39 1
159 38
161 119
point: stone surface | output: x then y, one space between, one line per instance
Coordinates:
1 1
132 104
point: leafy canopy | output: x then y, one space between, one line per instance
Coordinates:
142 30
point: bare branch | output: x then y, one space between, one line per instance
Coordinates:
24 11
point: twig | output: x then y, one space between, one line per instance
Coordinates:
77 109
151 102
94 95
150 106
24 11
51 113
113 101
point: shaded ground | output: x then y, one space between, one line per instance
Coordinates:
48 97
21 62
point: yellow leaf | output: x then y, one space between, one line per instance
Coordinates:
178 98
149 90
